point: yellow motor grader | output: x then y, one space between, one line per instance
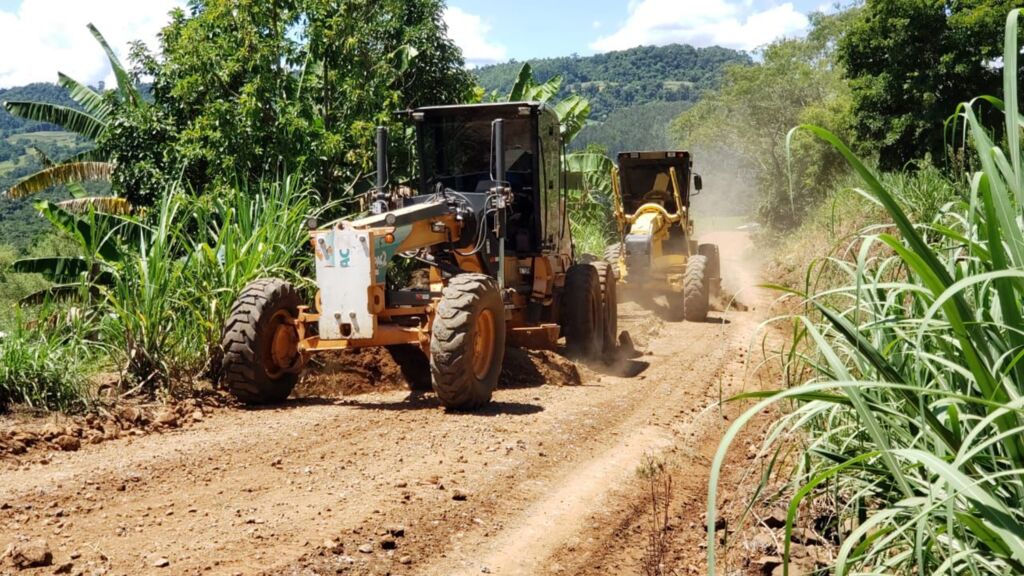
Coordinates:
657 252
486 230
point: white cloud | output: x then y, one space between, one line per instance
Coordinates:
41 37
469 32
733 24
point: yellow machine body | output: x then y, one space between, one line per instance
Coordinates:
652 214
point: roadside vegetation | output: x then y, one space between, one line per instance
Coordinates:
901 409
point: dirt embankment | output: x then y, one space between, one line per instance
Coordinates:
357 475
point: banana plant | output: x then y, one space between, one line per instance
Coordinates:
90 121
98 235
572 111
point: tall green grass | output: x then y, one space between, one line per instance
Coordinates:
170 296
155 291
913 414
46 369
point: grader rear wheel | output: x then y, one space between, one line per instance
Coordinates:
583 312
261 344
467 345
609 307
613 256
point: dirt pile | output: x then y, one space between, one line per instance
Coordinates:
526 368
70 433
380 369
351 372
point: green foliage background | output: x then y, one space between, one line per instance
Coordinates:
911 62
247 90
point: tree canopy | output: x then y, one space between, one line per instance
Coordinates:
615 80
911 62
246 89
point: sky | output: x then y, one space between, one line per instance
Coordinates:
38 38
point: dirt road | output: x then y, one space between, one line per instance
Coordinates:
540 482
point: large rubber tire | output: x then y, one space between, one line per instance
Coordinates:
462 377
714 268
414 365
247 339
613 256
609 307
696 299
582 311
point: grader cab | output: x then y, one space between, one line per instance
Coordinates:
485 227
657 252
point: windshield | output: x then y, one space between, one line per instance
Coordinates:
647 184
457 152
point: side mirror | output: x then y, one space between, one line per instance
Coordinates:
698 184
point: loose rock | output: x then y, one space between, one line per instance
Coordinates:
68 443
161 563
30 554
777 519
366 548
167 418
333 547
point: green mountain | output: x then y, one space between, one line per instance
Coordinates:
633 93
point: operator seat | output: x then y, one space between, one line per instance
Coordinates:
658 194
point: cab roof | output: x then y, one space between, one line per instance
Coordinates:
492 109
670 156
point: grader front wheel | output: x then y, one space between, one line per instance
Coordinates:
714 268
696 300
467 345
261 344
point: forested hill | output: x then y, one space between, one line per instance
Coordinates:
38 92
616 80
634 93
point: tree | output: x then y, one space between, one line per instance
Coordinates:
662 70
90 119
249 88
911 62
640 127
742 127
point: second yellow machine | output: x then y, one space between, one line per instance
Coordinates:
657 252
